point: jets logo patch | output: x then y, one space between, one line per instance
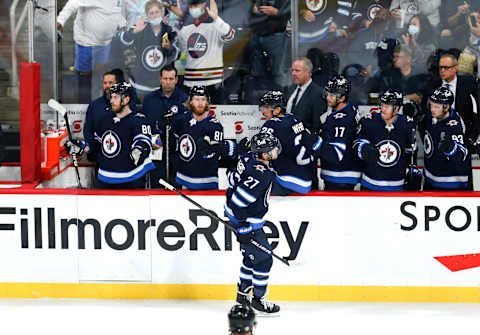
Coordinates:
153 58
111 144
389 153
428 145
452 123
197 45
316 6
339 115
186 147
260 168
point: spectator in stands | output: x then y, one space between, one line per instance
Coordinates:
155 45
93 29
402 77
420 37
403 11
356 74
202 38
304 97
465 93
268 22
474 37
453 23
168 99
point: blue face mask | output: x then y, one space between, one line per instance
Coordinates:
413 30
155 22
195 12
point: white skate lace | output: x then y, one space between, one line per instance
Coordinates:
267 304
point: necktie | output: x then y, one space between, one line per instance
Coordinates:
295 98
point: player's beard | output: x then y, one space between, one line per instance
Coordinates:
119 109
199 111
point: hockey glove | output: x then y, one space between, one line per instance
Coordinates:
475 145
413 180
206 146
313 142
75 147
368 152
138 156
244 232
243 146
447 146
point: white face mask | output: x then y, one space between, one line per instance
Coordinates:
155 22
413 30
195 12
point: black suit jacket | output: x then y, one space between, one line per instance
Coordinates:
467 108
310 107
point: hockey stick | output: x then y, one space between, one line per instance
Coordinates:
226 223
58 107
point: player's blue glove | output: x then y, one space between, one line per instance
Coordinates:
244 232
243 146
75 147
413 180
206 146
138 155
447 146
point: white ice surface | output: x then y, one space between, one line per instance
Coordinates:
92 317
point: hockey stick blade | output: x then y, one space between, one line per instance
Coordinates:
211 214
56 106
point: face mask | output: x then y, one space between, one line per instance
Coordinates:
413 30
155 22
195 12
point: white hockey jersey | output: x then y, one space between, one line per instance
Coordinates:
202 41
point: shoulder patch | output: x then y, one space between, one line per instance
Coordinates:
452 123
339 115
409 119
213 120
139 115
260 168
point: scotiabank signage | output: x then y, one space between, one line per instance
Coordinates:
330 240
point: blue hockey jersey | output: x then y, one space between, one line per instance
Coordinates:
294 163
446 170
114 139
340 163
395 147
195 171
249 191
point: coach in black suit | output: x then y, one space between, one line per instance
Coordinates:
305 98
464 88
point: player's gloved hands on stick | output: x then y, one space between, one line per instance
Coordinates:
206 146
75 147
138 156
369 152
244 232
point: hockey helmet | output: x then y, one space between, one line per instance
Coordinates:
273 98
263 143
338 85
442 95
199 91
241 319
195 2
123 89
390 97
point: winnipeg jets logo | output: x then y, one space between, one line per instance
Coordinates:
452 123
389 153
197 45
260 168
428 145
186 147
153 58
111 144
339 115
316 6
373 10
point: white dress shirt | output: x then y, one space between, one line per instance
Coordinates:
303 88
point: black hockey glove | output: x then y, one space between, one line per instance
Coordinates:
369 152
413 180
243 146
138 155
206 146
244 232
75 147
446 145
474 145
313 142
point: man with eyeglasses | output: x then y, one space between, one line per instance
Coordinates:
466 99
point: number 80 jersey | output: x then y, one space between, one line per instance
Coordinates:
249 191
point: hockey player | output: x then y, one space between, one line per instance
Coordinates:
340 165
294 165
122 141
202 38
197 159
241 320
155 44
247 203
385 145
446 155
